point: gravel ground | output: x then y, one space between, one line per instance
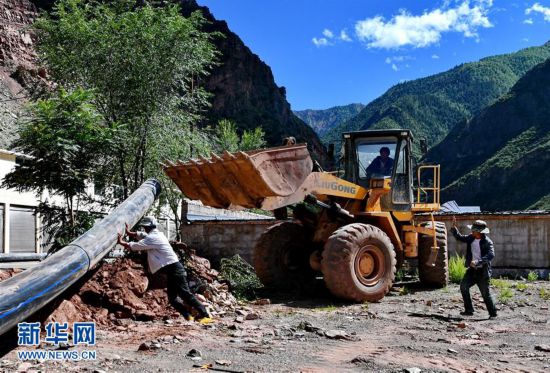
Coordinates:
410 328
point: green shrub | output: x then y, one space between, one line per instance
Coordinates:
456 269
500 283
244 282
532 276
521 286
545 295
505 295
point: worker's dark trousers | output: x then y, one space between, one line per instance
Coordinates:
178 286
479 276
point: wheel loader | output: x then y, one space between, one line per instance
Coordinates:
355 227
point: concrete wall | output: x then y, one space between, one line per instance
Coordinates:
222 239
521 240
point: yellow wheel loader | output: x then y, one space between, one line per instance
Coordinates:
355 230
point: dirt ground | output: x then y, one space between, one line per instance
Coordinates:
412 329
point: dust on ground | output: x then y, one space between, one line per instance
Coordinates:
411 329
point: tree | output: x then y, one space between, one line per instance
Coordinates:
226 137
145 64
65 140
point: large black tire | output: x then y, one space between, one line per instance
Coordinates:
359 263
281 257
437 276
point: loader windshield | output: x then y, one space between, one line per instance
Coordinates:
375 157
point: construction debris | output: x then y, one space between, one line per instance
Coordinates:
123 289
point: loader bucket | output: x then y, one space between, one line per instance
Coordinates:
243 178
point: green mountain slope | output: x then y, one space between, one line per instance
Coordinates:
323 121
500 158
432 106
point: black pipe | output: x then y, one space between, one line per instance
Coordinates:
21 257
30 290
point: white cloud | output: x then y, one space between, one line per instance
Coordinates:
537 8
435 56
423 30
394 67
528 21
327 33
525 40
320 42
344 36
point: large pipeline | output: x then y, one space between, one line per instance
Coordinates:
27 292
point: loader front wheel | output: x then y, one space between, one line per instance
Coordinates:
434 276
359 263
281 257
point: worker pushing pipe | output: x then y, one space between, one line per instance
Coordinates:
29 291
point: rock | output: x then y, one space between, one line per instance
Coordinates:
545 348
262 302
241 312
461 325
429 304
453 351
23 367
223 362
308 327
412 370
252 316
145 315
239 319
145 346
336 334
65 312
99 371
194 353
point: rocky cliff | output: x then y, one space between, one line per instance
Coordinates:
16 58
245 91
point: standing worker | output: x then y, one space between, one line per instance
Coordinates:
479 254
162 259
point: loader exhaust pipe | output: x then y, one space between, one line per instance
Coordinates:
27 292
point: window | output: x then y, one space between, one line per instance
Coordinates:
371 162
22 230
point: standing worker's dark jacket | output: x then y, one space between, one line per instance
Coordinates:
485 244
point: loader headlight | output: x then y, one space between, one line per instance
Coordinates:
377 183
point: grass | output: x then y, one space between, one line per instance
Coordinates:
521 286
456 269
505 295
544 294
404 291
532 276
327 308
500 283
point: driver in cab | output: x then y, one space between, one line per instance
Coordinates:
381 165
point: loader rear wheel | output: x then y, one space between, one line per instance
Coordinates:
281 257
437 276
359 263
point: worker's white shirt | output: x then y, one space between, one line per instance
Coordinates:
159 250
476 251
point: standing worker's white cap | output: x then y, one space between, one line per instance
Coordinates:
148 221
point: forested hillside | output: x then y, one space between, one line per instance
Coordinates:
323 121
432 106
499 159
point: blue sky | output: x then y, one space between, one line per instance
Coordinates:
336 52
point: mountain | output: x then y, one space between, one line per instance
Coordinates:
432 106
324 120
245 91
499 159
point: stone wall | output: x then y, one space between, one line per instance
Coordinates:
222 239
521 240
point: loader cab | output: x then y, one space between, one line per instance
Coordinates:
378 159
